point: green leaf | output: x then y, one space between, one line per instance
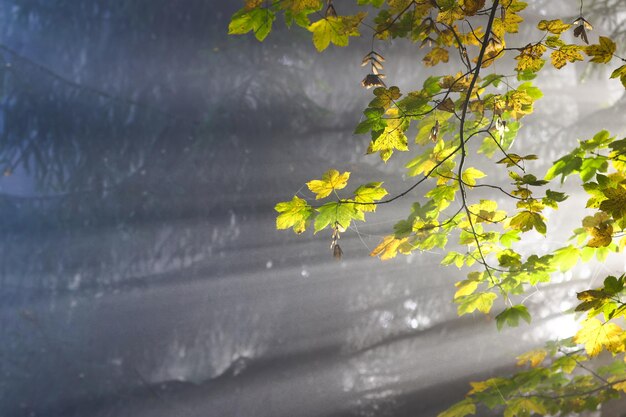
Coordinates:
461 409
259 20
335 29
512 315
294 213
336 213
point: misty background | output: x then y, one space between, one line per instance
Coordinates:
141 274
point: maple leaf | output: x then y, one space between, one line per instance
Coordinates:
601 236
298 6
481 301
331 180
258 20
530 58
596 335
621 74
336 213
335 29
388 247
602 52
369 193
461 409
615 204
534 357
435 56
470 7
553 26
392 138
564 54
294 213
470 175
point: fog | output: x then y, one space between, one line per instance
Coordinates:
140 270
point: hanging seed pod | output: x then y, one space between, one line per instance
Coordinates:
582 26
337 252
434 131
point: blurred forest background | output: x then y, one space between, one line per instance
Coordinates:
143 151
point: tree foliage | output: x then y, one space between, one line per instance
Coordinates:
472 107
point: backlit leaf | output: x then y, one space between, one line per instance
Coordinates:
331 180
596 335
294 213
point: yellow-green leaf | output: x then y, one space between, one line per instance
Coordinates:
331 180
369 193
534 357
481 301
335 29
470 175
596 335
294 213
460 409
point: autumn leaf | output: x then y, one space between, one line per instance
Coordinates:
615 204
480 301
294 213
435 56
534 357
553 26
331 181
621 74
527 220
601 236
596 335
387 248
297 6
565 54
602 52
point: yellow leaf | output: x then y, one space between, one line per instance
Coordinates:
298 6
388 247
530 58
294 213
470 175
331 180
553 26
601 236
534 357
564 54
596 335
435 56
620 386
470 7
602 52
466 287
392 138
